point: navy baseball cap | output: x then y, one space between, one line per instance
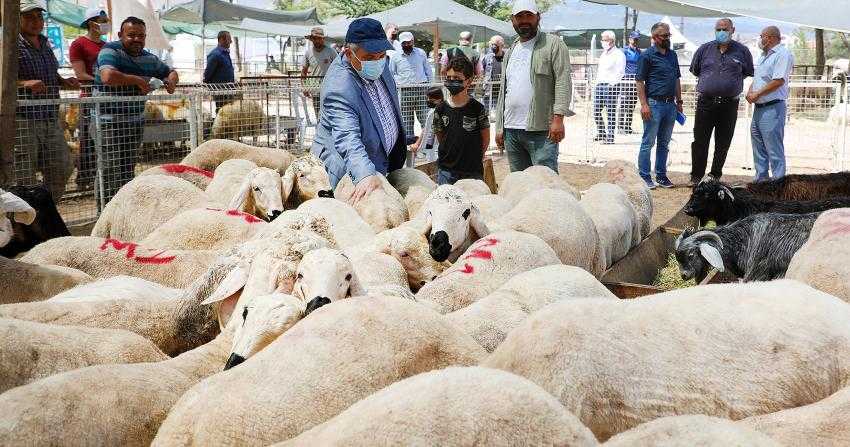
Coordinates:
368 34
634 35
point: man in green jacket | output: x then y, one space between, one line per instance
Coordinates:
536 98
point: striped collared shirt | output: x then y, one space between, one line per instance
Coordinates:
386 112
38 64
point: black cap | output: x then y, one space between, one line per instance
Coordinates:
368 34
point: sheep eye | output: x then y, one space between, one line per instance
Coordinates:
257 188
299 276
466 214
348 277
244 314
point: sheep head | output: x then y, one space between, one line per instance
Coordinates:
710 200
696 251
410 247
260 194
257 268
305 179
451 222
327 275
21 211
260 322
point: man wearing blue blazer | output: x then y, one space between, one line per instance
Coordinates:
360 133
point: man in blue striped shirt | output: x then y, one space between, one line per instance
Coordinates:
124 68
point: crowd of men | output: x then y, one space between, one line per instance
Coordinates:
365 123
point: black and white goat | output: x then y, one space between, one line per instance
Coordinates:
755 248
713 200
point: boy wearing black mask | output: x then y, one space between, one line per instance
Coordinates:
462 128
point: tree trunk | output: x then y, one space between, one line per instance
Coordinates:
9 12
820 56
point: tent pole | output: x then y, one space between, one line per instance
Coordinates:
626 29
203 46
437 67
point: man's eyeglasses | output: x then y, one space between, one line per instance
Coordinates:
664 36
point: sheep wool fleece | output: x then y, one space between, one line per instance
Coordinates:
691 430
730 350
822 261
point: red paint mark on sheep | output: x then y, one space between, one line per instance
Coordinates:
131 252
467 269
479 254
174 168
250 218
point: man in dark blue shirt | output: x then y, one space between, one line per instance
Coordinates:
219 69
721 66
628 91
660 95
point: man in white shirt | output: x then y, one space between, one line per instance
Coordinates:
411 71
610 71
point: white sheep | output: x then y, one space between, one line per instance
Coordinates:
624 175
196 176
516 185
410 247
485 266
492 206
822 261
117 288
557 217
211 153
209 228
615 219
731 350
367 342
450 222
473 187
824 423
105 404
315 223
31 351
382 209
144 204
348 228
241 185
405 178
415 197
104 258
692 430
236 119
453 406
490 319
21 211
305 179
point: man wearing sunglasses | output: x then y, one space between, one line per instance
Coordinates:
720 66
660 94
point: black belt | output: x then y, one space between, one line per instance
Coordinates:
663 98
718 99
769 103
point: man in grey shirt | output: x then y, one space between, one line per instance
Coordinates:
721 66
317 59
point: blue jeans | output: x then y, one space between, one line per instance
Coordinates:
526 149
445 177
605 95
660 128
768 133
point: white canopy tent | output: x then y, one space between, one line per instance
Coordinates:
142 9
831 15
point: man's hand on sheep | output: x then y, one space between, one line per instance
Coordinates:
365 187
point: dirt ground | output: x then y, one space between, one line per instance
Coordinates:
666 202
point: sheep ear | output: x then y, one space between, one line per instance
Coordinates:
477 223
354 287
712 255
240 200
234 281
288 181
423 224
22 211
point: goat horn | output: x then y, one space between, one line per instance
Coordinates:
708 235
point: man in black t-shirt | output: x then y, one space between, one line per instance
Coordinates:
463 128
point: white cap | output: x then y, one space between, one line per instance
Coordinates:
406 36
94 12
465 36
524 5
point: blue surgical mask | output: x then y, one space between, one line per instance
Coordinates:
370 70
722 37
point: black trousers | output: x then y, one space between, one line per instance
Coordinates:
719 118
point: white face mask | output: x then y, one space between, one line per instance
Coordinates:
104 28
607 44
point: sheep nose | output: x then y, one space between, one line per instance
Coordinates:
439 246
233 360
326 193
316 303
274 214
